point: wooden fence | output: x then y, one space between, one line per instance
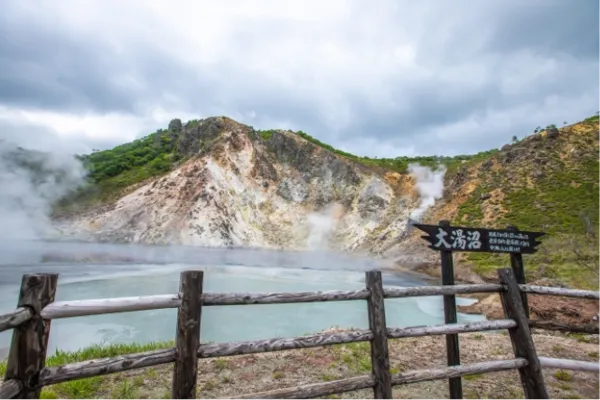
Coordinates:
26 372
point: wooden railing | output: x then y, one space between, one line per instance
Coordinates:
26 372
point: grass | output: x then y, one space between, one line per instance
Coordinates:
221 364
563 376
472 377
572 396
356 356
551 186
88 387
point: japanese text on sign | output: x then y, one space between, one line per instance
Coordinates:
454 238
459 239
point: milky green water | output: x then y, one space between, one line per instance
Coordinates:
219 323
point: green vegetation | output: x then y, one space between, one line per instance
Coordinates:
266 135
540 183
549 186
563 376
398 164
357 356
110 172
592 119
472 377
89 387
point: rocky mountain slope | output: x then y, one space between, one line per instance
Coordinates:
235 186
216 182
548 182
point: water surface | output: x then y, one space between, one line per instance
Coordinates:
219 323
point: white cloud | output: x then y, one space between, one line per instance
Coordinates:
393 76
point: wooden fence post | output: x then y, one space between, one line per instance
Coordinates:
450 317
187 339
531 375
380 358
516 263
27 356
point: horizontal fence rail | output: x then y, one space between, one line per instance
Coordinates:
563 363
516 322
403 378
562 327
311 391
562 292
85 369
10 388
399 292
80 308
14 318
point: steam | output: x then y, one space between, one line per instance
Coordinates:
30 182
321 226
429 185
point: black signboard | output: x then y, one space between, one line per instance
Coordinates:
456 238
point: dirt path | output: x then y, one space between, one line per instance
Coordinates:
231 376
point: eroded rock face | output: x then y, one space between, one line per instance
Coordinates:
242 190
293 190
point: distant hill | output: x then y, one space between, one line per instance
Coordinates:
221 183
548 182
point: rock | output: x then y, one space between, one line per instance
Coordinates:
311 160
535 138
538 174
487 165
552 132
509 156
540 161
484 196
175 125
292 190
372 198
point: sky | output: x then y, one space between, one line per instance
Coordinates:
383 78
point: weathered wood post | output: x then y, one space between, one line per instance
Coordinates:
27 356
380 358
516 263
531 375
450 317
187 339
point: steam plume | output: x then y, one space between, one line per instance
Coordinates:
429 185
322 225
30 183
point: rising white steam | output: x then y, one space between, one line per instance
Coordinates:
429 185
30 182
322 225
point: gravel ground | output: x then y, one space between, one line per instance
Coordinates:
233 376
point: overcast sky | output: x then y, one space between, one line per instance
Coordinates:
381 78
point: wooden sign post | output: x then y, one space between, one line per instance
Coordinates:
447 239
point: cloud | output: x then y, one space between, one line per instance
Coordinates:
386 79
